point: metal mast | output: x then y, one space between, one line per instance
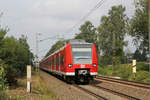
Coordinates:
37 53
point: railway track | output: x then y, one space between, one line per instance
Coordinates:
90 93
125 82
116 93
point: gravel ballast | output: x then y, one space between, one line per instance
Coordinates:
143 94
63 90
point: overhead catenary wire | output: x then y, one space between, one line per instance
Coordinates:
99 4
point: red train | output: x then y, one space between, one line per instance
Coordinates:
77 60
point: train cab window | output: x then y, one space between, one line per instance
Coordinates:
82 55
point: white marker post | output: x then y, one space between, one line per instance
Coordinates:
28 78
134 67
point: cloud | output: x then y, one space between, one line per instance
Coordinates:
52 17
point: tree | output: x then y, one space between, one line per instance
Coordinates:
55 47
15 53
111 33
2 63
139 28
87 33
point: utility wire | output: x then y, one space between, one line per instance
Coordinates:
48 38
99 4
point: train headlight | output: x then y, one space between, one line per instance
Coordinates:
69 65
94 65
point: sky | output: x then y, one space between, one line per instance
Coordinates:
53 18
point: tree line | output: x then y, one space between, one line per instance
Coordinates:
109 36
15 54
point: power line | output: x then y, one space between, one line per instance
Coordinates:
100 3
48 38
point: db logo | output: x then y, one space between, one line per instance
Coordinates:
82 66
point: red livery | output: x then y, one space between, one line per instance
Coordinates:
77 60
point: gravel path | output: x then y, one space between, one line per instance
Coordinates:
143 94
64 91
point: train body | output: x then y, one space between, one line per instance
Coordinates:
77 60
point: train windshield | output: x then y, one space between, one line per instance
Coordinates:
82 55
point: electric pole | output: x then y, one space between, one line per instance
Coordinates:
37 51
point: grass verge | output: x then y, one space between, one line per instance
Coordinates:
39 90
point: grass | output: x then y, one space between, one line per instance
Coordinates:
125 71
39 90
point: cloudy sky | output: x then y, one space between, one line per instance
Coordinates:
52 17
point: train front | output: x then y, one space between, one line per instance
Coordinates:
83 60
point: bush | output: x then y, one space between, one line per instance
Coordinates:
123 71
16 55
2 75
141 76
3 85
105 70
142 66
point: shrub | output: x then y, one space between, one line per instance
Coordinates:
105 70
142 66
123 71
141 76
2 75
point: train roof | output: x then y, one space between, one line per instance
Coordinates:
73 42
78 41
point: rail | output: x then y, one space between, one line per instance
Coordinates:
116 93
125 82
91 93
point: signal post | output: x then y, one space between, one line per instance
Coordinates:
28 78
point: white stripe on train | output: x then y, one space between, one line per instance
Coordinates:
68 73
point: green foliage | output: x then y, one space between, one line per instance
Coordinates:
141 66
139 29
141 76
105 71
55 47
111 33
2 76
87 33
2 34
16 54
125 71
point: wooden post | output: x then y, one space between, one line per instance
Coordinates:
28 78
134 67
